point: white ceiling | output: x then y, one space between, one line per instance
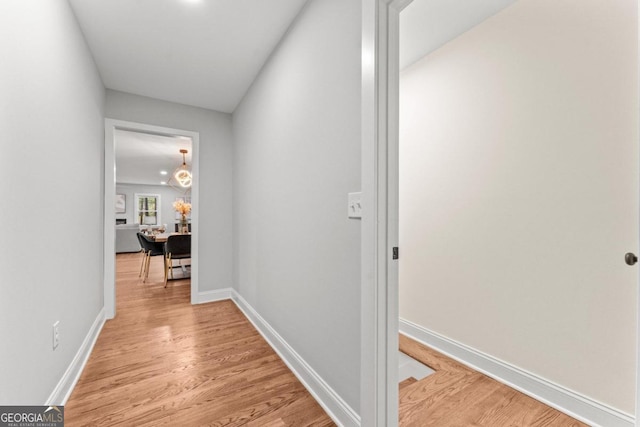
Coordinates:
204 53
426 25
140 157
207 53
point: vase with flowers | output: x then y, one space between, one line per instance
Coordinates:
183 209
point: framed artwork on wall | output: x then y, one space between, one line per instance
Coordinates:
121 203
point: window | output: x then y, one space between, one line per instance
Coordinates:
147 209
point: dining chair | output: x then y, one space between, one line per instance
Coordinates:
152 248
143 251
177 247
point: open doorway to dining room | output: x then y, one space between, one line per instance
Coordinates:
151 190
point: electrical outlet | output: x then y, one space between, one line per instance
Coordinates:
56 334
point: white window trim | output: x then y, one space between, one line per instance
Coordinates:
136 196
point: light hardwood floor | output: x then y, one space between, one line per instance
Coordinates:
458 396
163 361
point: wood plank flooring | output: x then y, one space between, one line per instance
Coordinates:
457 396
163 361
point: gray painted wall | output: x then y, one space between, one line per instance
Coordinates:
215 234
296 156
51 157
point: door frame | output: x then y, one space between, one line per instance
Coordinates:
379 282
109 216
379 271
637 409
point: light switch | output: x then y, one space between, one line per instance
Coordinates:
355 205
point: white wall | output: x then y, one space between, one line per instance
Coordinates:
296 156
215 234
519 192
167 194
51 122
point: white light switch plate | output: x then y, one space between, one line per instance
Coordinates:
56 334
355 205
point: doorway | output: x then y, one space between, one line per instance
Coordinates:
114 129
380 178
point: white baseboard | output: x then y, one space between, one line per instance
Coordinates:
571 403
213 296
65 386
341 413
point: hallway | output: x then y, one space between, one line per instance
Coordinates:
163 361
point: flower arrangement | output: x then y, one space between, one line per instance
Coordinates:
182 208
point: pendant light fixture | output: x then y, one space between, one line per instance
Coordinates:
182 175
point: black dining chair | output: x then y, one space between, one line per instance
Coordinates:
151 248
177 247
143 251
